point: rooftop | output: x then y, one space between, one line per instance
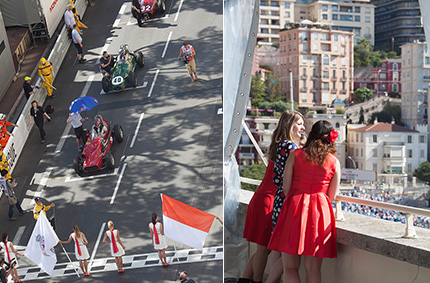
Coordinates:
384 127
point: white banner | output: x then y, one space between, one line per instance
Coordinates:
40 247
53 10
359 175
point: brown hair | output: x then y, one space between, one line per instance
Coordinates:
283 131
77 231
154 218
317 147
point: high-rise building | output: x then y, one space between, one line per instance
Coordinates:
355 16
415 81
397 22
321 62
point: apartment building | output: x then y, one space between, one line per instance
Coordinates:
382 80
354 16
387 148
321 62
415 81
397 22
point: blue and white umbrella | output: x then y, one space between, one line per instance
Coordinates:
83 104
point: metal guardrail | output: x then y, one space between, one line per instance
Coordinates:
407 210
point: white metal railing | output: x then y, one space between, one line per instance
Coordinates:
407 210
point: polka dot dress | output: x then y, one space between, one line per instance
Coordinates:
284 149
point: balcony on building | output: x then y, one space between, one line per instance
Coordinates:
303 89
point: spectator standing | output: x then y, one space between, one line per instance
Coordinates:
188 53
158 239
106 64
77 40
46 72
306 224
258 223
76 120
137 12
28 88
37 115
10 257
81 251
69 18
39 207
10 195
183 277
4 133
117 251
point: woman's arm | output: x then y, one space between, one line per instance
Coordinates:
68 241
333 188
85 239
119 240
161 229
13 249
288 173
104 238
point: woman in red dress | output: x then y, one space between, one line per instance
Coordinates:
258 224
306 224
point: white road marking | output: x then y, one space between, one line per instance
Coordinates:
69 126
96 246
18 235
27 203
137 130
179 10
127 88
117 184
153 82
167 44
118 17
102 265
74 179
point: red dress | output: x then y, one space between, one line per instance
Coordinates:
258 223
306 224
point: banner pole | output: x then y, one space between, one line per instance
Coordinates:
77 273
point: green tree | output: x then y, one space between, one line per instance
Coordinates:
423 172
362 94
255 171
258 90
265 91
387 114
361 118
362 53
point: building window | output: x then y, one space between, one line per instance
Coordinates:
375 152
361 151
357 9
346 18
357 18
287 5
325 86
274 4
422 139
324 8
410 153
314 60
324 36
315 46
335 8
326 60
422 153
343 40
315 34
375 138
304 47
343 61
361 138
395 87
304 59
409 168
395 67
337 125
336 37
334 17
334 73
335 48
356 152
356 139
409 139
333 60
367 10
304 35
325 17
334 86
375 167
367 19
326 75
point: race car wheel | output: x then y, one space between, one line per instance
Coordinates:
77 165
140 60
161 6
106 84
132 79
118 133
110 161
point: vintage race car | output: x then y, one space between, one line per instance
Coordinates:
122 73
96 154
149 8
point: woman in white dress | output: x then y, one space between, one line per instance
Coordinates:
81 251
10 257
117 251
158 238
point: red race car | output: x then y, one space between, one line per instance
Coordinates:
96 154
149 7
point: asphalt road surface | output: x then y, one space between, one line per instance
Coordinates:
173 145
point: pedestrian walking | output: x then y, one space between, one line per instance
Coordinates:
137 12
8 191
69 18
10 257
46 72
183 277
306 224
76 120
187 53
117 251
158 239
28 88
81 251
77 40
37 115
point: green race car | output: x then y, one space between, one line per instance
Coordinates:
122 73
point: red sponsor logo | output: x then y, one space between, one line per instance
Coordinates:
53 5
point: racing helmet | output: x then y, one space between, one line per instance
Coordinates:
98 120
2 116
43 61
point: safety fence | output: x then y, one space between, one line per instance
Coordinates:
16 142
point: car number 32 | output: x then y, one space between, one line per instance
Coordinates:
147 8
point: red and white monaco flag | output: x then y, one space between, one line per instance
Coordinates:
185 224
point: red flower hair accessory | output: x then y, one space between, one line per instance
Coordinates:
332 136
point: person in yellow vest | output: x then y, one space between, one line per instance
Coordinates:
46 72
77 17
4 165
39 207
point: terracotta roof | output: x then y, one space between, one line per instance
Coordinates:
384 127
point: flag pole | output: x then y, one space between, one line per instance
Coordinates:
176 255
77 273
